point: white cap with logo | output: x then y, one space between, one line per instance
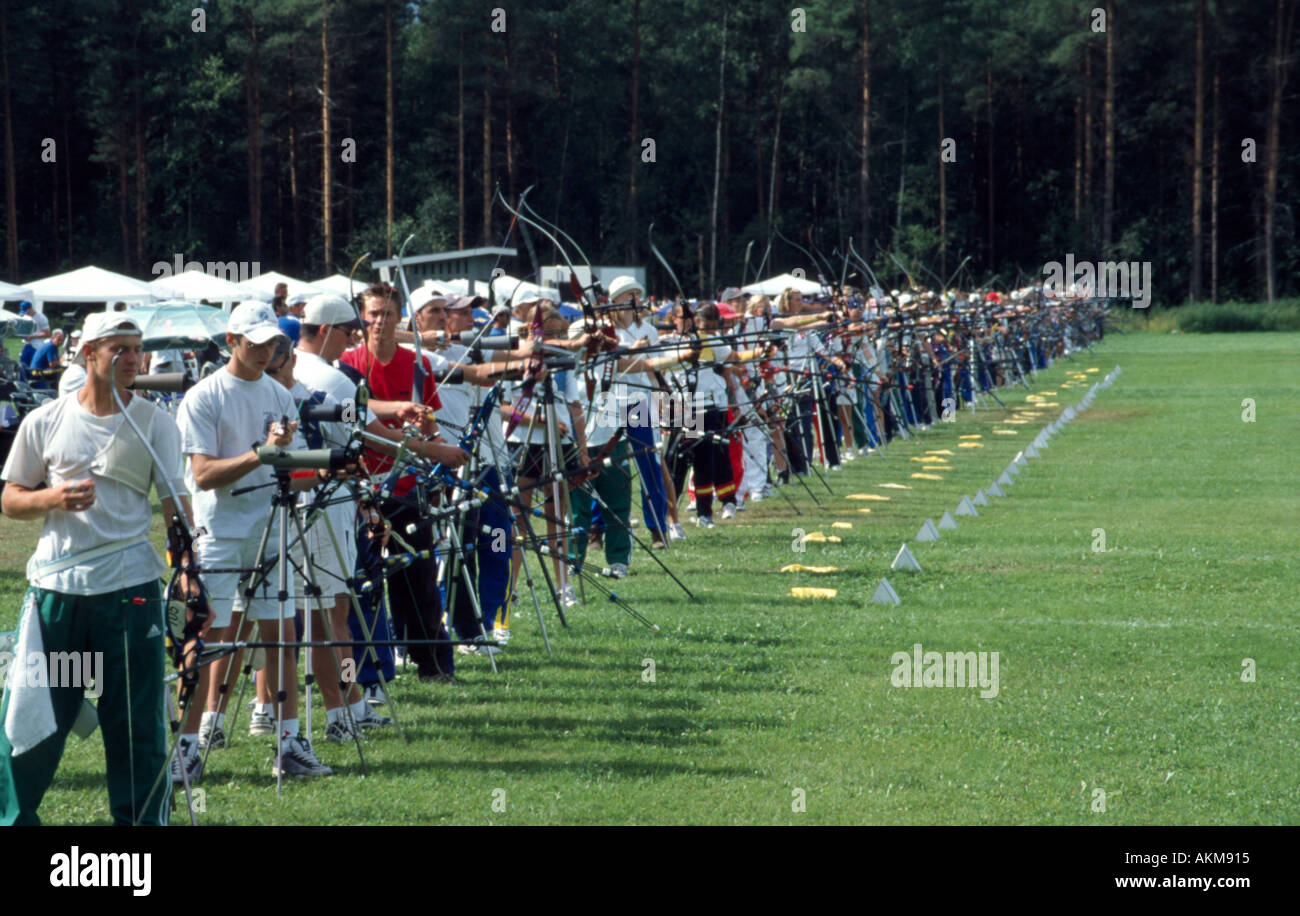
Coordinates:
254 320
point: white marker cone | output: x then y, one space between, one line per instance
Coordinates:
947 523
981 499
1019 460
928 532
1031 452
905 560
1006 480
885 594
965 508
995 490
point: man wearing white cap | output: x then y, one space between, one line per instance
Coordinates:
223 420
78 464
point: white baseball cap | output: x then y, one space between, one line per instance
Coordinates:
331 310
254 320
620 285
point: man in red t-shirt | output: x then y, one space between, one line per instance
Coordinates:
389 373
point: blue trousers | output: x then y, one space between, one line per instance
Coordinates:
654 502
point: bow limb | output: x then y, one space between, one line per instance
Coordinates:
654 249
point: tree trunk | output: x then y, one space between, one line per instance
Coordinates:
487 160
1198 159
1089 204
11 181
774 189
634 129
295 199
717 158
1284 27
253 97
1108 200
460 145
141 187
388 126
327 144
943 174
1078 155
864 134
123 192
1214 192
988 76
510 128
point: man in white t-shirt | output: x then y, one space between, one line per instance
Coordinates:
95 594
223 420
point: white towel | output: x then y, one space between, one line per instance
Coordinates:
30 717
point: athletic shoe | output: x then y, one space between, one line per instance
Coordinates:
375 695
299 760
740 504
618 570
338 732
211 734
372 721
728 511
848 454
467 649
262 723
501 635
757 497
193 763
836 467
567 596
675 533
705 521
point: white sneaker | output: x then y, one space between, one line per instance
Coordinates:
466 649
375 695
618 570
299 760
705 521
210 733
567 596
849 454
501 635
675 533
728 511
193 763
262 723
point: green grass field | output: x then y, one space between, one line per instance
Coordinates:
1119 671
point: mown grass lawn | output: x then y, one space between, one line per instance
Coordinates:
1119 670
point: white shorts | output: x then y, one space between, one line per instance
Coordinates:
225 589
332 571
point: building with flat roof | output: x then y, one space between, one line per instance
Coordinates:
471 264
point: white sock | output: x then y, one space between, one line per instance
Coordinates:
289 730
333 715
360 709
221 720
207 717
267 708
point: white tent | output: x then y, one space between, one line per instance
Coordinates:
263 285
339 285
775 286
194 285
11 293
90 284
508 287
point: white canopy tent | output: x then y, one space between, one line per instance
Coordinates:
775 286
508 287
90 284
339 285
263 286
194 285
11 293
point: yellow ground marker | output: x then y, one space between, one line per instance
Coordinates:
937 451
895 486
975 436
1006 432
970 445
820 570
817 537
873 497
926 477
813 592
841 524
